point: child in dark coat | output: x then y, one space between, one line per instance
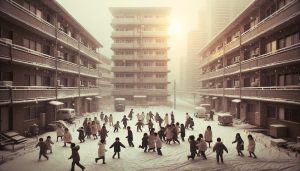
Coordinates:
192 123
117 126
182 131
193 147
219 148
81 134
144 142
75 156
117 147
124 120
161 134
103 133
239 144
130 137
139 125
43 149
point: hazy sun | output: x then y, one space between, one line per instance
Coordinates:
175 27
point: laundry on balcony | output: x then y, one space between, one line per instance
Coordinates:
139 96
214 98
236 100
56 103
88 98
98 97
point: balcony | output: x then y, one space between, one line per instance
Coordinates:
272 93
137 46
147 92
67 40
89 72
32 93
5 96
232 69
140 69
232 92
211 92
137 80
67 92
117 34
212 75
90 53
85 91
66 66
232 45
135 21
279 17
19 13
137 57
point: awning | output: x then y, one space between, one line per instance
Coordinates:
88 98
98 97
56 103
140 97
236 100
214 98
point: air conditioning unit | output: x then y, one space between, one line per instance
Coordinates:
6 83
6 40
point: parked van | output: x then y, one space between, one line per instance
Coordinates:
66 114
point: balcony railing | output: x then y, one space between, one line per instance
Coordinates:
277 18
37 93
212 75
89 72
90 53
137 80
139 69
68 40
22 15
89 91
232 92
232 45
232 69
135 21
148 92
164 34
5 95
142 57
137 45
211 92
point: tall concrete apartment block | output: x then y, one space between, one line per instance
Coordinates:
48 61
252 68
140 56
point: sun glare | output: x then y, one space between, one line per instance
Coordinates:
175 27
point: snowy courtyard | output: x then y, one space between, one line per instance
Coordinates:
174 155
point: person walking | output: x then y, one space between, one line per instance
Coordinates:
129 137
81 135
151 142
130 115
158 144
94 129
239 144
48 143
76 157
124 120
59 132
139 125
102 116
166 119
193 147
182 132
101 151
251 146
172 118
103 133
219 147
117 126
111 120
43 149
117 147
67 137
144 142
208 135
202 146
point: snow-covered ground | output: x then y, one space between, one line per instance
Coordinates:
174 155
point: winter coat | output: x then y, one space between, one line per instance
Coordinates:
166 119
139 124
117 146
43 147
240 144
169 133
158 143
59 131
130 135
148 117
172 119
151 141
219 148
145 141
130 114
251 146
110 119
117 125
98 125
67 137
94 129
182 131
103 133
208 136
124 120
202 146
75 155
101 149
150 125
48 143
88 130
81 134
193 147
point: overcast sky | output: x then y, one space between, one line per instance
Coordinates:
95 16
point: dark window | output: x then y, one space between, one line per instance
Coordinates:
46 81
6 76
251 108
292 115
271 111
30 113
247 82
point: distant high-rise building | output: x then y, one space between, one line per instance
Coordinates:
213 18
140 54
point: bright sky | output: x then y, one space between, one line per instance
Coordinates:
95 16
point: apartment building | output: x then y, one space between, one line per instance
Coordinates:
47 61
105 82
251 69
140 56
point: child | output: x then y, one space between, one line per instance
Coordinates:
151 142
43 149
208 135
81 134
192 123
117 147
59 132
110 120
175 134
158 144
139 125
160 120
150 125
182 131
161 134
130 114
94 129
124 120
239 145
75 156
102 116
103 133
101 151
251 146
117 126
144 142
67 137
219 148
168 134
105 119
193 148
88 130
48 144
130 137
202 146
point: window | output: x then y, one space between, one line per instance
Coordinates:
160 86
251 108
26 43
271 111
160 75
291 114
147 75
30 113
160 63
281 43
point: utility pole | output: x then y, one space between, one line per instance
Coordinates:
174 94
